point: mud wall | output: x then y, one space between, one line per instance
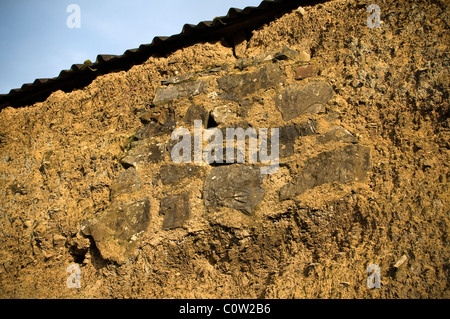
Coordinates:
87 177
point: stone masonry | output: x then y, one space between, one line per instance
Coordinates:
301 103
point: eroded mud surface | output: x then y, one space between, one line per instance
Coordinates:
87 177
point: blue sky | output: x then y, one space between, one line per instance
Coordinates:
37 43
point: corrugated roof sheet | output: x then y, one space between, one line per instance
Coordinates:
79 75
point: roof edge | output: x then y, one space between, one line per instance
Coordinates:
81 75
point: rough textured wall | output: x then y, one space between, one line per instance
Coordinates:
363 116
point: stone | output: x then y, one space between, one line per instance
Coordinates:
342 165
337 134
239 85
287 137
196 113
286 54
316 108
143 152
179 79
176 210
298 99
116 231
244 63
158 121
223 113
59 240
401 261
233 186
172 174
211 70
300 11
308 128
127 182
166 94
289 133
305 71
303 57
159 115
153 129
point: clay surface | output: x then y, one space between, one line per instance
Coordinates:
87 177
